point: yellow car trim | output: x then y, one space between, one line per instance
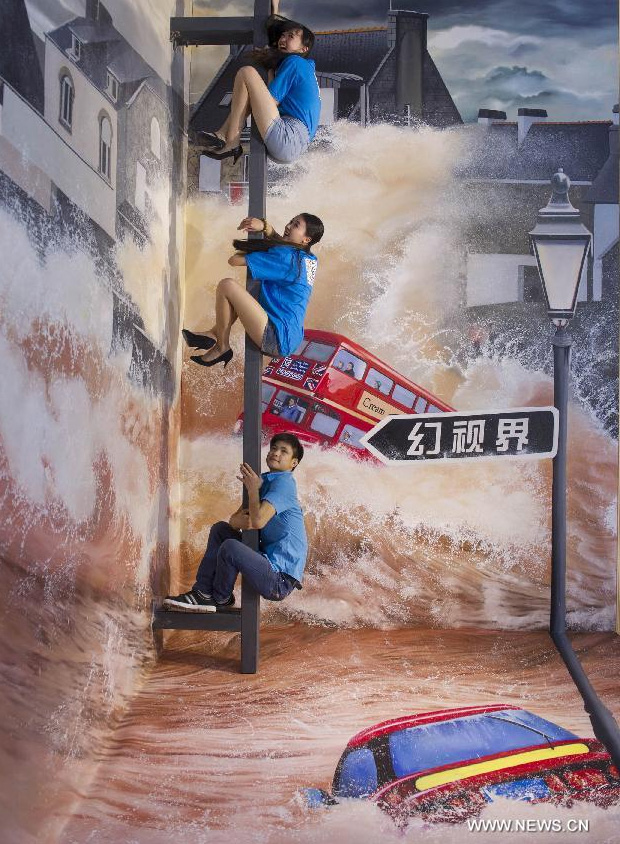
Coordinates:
467 771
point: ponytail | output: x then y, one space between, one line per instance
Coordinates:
314 230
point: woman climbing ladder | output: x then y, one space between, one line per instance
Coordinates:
286 110
287 269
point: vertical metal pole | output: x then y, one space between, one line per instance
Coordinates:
250 600
603 723
561 355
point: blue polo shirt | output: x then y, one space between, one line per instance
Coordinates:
283 539
287 275
296 91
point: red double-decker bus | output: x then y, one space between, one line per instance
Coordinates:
332 391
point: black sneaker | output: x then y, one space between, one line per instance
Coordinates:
192 601
225 604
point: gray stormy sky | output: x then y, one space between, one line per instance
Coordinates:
506 54
561 55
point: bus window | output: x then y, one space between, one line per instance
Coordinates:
432 409
349 364
351 436
379 381
268 391
318 351
403 396
289 406
420 404
325 421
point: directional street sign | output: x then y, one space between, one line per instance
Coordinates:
521 432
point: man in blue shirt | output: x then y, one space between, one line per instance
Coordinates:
273 508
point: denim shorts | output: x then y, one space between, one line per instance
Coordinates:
269 345
286 139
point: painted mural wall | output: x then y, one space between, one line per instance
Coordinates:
92 109
117 453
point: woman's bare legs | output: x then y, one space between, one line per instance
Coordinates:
250 94
232 301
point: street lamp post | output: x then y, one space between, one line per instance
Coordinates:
561 244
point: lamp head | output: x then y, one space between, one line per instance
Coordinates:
561 244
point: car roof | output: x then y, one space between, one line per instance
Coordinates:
406 721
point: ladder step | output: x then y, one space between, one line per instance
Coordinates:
229 619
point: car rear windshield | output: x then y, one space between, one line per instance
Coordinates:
467 739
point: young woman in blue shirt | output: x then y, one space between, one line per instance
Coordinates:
286 110
286 268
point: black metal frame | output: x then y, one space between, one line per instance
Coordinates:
211 30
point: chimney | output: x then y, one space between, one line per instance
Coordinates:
407 34
486 116
527 116
96 11
615 114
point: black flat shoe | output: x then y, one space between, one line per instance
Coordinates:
234 153
210 139
224 358
197 341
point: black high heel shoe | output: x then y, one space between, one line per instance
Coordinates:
210 139
197 341
235 153
224 358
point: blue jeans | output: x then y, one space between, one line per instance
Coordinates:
226 556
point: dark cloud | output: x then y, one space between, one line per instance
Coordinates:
510 74
515 87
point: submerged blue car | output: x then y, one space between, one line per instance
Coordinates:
448 764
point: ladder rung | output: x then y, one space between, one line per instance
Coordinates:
229 619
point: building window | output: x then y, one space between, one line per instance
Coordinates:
76 48
140 197
105 148
67 93
155 138
112 86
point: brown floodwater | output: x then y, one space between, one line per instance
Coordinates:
205 754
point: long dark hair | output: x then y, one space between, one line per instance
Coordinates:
314 230
270 57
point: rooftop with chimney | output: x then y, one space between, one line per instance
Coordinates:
392 61
533 147
101 49
604 190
